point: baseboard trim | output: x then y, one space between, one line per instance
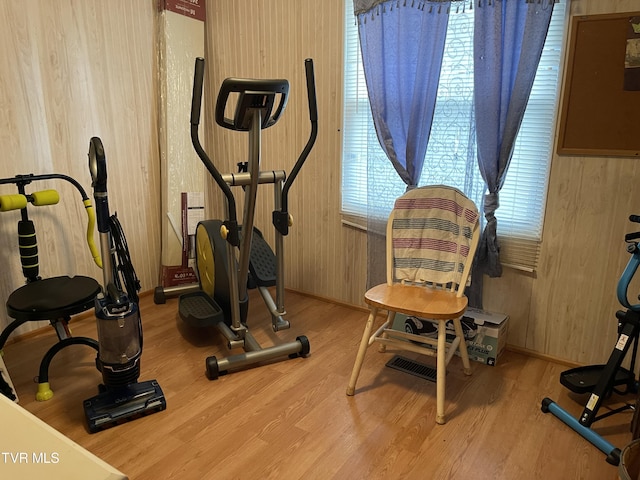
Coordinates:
542 356
512 348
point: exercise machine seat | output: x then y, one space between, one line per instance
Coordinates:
51 298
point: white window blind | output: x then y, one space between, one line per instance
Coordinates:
451 156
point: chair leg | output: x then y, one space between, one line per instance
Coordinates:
463 347
441 371
391 317
8 330
364 344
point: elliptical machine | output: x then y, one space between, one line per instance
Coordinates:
230 258
121 396
602 380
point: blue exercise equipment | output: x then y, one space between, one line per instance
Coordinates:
601 380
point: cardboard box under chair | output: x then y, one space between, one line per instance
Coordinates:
485 332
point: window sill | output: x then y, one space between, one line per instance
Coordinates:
515 253
354 221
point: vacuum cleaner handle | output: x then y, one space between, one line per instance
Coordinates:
98 170
232 235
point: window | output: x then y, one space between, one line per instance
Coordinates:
451 156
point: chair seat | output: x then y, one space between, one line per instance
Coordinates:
417 300
51 298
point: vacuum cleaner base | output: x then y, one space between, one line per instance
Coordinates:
115 406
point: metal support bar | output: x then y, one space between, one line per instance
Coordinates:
250 193
176 290
241 360
233 340
277 322
279 246
107 260
629 332
234 297
244 178
614 411
612 452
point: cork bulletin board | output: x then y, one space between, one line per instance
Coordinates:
600 112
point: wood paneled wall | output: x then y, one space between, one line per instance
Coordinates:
567 308
73 69
272 40
70 70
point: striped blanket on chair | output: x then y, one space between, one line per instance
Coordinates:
432 231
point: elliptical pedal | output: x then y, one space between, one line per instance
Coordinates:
262 263
198 309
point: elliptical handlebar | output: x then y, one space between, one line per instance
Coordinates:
281 218
196 97
233 236
252 87
254 95
98 170
311 90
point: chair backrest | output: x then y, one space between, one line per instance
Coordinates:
432 236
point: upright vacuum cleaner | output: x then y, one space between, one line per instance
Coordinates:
121 397
600 381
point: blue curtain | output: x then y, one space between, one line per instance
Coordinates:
401 55
508 41
402 43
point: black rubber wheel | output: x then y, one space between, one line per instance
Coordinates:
212 368
159 297
306 347
614 457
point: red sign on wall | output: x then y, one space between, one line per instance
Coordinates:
188 8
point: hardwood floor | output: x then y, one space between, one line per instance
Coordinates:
292 419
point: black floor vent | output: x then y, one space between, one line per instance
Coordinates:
414 368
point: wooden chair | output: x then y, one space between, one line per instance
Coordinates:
432 236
